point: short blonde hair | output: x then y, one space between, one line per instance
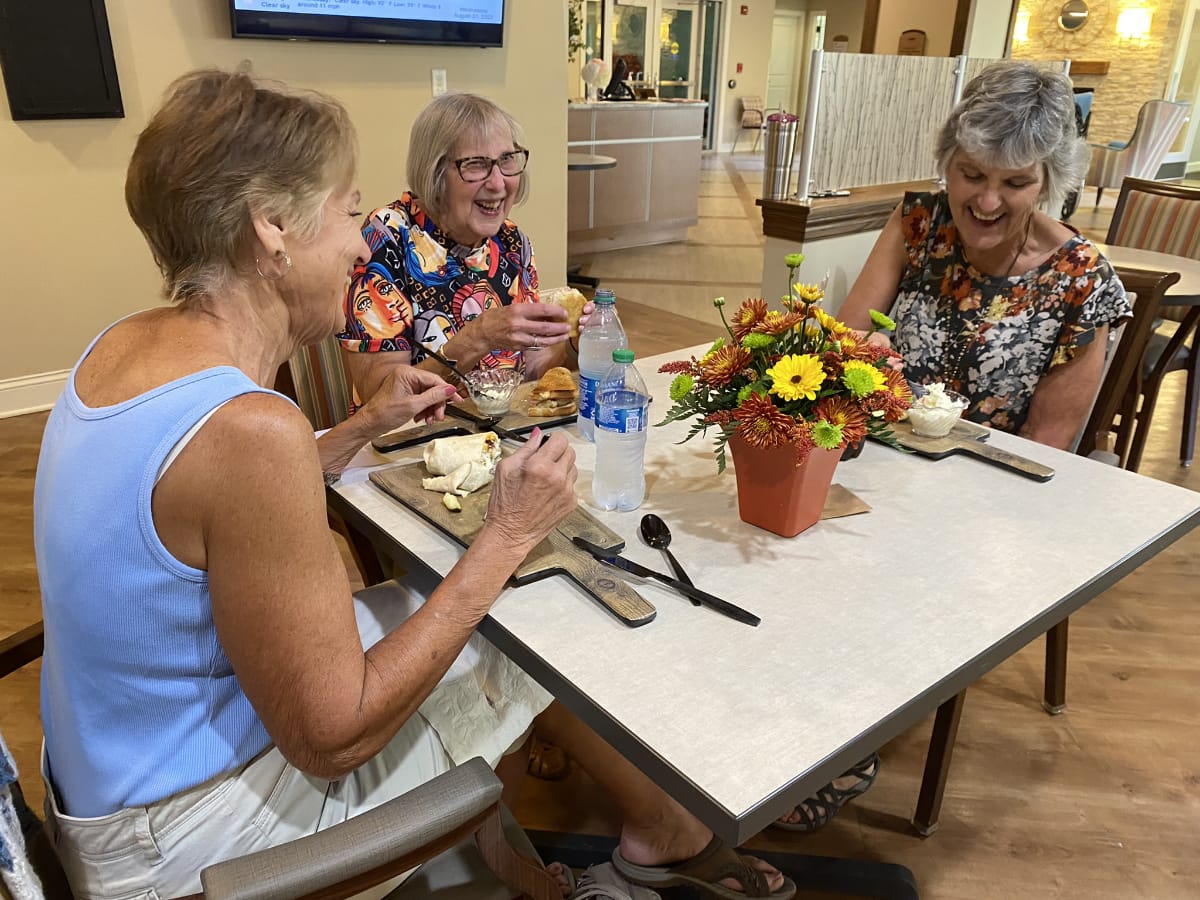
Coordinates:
442 126
223 148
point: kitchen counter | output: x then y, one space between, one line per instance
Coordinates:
652 194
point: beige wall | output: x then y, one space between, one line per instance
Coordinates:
987 28
934 17
72 261
1137 72
748 41
842 17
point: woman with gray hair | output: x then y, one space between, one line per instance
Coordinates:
991 296
448 270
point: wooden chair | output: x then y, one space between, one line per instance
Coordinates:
1164 217
1115 410
1158 123
454 828
316 379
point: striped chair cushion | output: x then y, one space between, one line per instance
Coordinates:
1165 225
322 388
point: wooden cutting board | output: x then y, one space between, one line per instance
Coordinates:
554 556
964 440
517 421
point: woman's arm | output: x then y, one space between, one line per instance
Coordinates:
876 285
1064 396
245 502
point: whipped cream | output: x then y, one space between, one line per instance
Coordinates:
935 397
934 413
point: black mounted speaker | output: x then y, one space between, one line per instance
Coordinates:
57 60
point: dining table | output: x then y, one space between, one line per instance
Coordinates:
869 622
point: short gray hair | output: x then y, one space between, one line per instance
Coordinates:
441 127
1013 115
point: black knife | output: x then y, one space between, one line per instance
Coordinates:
619 562
488 423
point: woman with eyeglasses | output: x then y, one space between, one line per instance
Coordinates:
448 270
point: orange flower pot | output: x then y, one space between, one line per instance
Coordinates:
777 495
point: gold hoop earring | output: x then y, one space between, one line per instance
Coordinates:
287 262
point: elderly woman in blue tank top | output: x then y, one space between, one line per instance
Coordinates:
205 687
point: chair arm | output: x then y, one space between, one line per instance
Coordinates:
368 849
20 649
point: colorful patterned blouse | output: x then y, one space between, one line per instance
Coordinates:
420 287
992 338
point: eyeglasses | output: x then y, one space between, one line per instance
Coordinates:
478 168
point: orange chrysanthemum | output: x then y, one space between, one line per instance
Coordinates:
749 314
842 411
775 323
900 395
761 425
719 368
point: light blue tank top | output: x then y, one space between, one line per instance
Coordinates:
139 701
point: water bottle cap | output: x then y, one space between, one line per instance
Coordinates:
603 296
623 355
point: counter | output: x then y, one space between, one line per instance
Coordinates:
652 195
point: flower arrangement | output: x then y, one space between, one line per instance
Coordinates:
792 376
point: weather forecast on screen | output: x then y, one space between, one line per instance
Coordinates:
485 11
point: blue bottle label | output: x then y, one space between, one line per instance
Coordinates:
587 396
624 420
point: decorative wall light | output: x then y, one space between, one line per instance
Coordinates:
1134 24
1021 27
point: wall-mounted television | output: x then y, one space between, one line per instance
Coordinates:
475 23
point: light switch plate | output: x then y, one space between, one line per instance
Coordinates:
439 81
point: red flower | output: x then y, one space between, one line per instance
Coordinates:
719 368
761 425
845 412
749 314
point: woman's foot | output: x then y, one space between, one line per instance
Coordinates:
815 812
682 862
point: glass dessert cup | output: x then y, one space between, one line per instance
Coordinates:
937 421
492 390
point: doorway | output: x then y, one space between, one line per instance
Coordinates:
1185 87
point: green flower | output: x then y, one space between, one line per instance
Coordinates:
793 260
681 387
755 341
879 320
827 435
862 378
718 302
746 391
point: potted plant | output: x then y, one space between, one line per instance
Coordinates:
788 390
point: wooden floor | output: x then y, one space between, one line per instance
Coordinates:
1101 802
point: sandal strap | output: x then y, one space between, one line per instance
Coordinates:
718 860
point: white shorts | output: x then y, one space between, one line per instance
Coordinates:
484 706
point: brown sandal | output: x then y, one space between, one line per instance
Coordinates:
705 871
548 762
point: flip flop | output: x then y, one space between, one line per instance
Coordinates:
818 809
603 882
705 870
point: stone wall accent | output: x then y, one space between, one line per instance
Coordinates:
1137 72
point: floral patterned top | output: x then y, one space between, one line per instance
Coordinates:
992 338
420 287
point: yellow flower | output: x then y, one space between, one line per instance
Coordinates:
809 293
797 377
862 378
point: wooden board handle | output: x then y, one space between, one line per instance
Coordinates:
1004 459
606 586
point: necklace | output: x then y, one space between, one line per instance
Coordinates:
954 351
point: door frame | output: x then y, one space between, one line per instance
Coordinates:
958 37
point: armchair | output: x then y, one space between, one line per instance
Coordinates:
754 117
1158 123
453 829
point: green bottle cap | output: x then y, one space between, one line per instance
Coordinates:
623 355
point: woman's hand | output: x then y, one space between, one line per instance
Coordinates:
879 339
521 326
408 393
533 491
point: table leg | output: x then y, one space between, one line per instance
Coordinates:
937 765
1054 699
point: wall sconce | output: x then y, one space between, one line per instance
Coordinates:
1134 24
1021 27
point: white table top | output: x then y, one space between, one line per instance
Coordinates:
1185 292
869 621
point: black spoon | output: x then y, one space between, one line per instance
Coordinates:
656 533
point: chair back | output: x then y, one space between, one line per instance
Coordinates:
753 112
1158 123
1115 409
316 379
1159 216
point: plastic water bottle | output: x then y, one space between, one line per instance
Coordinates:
622 407
602 336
